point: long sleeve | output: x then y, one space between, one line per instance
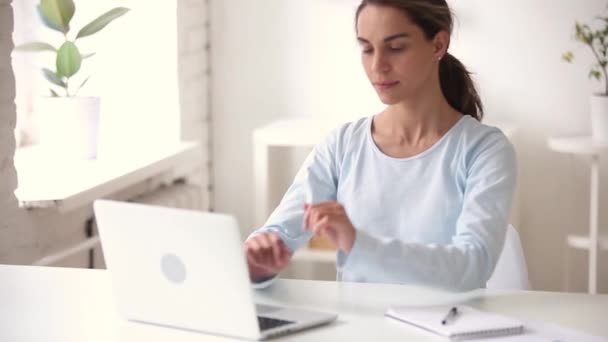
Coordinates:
469 260
315 181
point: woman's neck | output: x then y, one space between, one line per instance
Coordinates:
419 120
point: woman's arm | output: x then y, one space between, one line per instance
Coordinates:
316 180
466 263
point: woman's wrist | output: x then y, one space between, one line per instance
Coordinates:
351 242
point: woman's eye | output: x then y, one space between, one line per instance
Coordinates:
396 48
366 50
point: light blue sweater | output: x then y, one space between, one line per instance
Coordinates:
437 219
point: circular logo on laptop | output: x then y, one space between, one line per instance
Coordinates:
173 268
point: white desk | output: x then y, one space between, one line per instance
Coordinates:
594 241
54 304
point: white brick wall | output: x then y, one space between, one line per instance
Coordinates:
18 240
193 67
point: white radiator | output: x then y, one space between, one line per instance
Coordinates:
183 196
180 195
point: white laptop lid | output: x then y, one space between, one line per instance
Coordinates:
177 268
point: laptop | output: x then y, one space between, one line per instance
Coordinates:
186 269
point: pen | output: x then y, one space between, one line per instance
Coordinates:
451 315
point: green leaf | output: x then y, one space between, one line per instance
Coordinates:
101 22
82 84
35 47
595 74
583 33
48 22
58 12
87 55
568 56
54 93
53 78
68 59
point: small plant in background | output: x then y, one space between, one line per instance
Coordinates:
597 41
56 15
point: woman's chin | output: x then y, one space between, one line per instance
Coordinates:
388 100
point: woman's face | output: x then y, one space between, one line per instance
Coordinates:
398 59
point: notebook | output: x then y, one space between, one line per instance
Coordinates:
468 323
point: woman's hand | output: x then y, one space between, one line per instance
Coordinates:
267 255
329 219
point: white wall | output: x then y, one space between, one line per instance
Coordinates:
266 66
515 49
298 58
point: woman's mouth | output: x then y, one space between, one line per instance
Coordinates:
385 85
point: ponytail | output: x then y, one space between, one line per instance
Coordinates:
458 87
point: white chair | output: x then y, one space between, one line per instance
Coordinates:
511 272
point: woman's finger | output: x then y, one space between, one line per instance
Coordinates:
321 212
306 221
317 215
275 247
320 225
262 253
263 241
257 262
253 247
271 251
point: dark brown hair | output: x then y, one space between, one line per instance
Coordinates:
434 16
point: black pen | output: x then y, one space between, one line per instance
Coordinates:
450 316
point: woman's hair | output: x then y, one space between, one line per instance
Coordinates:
433 16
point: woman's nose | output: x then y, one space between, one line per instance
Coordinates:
380 63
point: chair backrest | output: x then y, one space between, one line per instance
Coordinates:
511 272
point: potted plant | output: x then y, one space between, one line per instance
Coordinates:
597 41
69 123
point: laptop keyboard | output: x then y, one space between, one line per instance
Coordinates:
266 323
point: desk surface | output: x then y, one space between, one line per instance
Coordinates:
55 304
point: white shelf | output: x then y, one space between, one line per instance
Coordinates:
594 241
45 182
315 255
577 145
583 242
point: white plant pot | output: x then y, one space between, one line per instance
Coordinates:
68 126
599 118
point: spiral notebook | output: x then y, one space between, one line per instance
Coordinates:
469 323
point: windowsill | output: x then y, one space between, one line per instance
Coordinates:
45 182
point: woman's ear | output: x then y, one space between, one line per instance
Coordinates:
441 42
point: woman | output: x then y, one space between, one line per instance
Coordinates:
417 194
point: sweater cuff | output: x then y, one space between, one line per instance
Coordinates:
263 283
362 248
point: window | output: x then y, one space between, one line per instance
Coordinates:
134 71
